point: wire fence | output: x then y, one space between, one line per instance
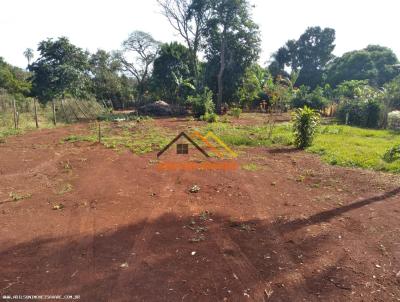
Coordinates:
29 113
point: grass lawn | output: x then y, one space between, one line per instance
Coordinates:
356 147
336 144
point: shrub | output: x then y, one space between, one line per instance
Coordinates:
202 104
359 105
360 113
235 112
315 99
392 154
394 120
305 123
210 117
372 109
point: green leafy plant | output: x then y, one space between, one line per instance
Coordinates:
235 112
392 154
315 99
305 123
359 104
210 117
202 104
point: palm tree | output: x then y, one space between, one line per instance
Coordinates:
28 53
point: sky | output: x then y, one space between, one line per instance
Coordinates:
104 24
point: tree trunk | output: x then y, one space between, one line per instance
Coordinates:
36 117
54 113
221 73
193 67
140 92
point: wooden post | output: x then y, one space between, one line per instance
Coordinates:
54 114
36 117
15 115
99 132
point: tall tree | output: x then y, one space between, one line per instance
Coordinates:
13 79
61 69
28 54
107 83
252 84
374 63
137 56
189 19
309 55
171 72
233 44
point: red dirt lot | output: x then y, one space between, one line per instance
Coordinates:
294 229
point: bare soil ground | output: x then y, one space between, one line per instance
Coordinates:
108 226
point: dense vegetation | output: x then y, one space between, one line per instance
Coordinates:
360 88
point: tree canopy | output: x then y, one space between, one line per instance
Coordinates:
171 71
137 56
309 55
13 79
107 81
373 63
62 68
233 44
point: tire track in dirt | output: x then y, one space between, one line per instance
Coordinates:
245 274
140 247
251 189
84 248
240 264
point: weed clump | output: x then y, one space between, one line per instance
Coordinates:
392 154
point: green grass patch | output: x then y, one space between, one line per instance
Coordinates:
336 144
356 147
26 123
251 136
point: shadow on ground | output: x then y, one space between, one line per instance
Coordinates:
195 258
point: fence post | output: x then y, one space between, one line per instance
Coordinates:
54 113
36 117
15 115
99 132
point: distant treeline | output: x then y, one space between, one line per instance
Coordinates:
301 72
